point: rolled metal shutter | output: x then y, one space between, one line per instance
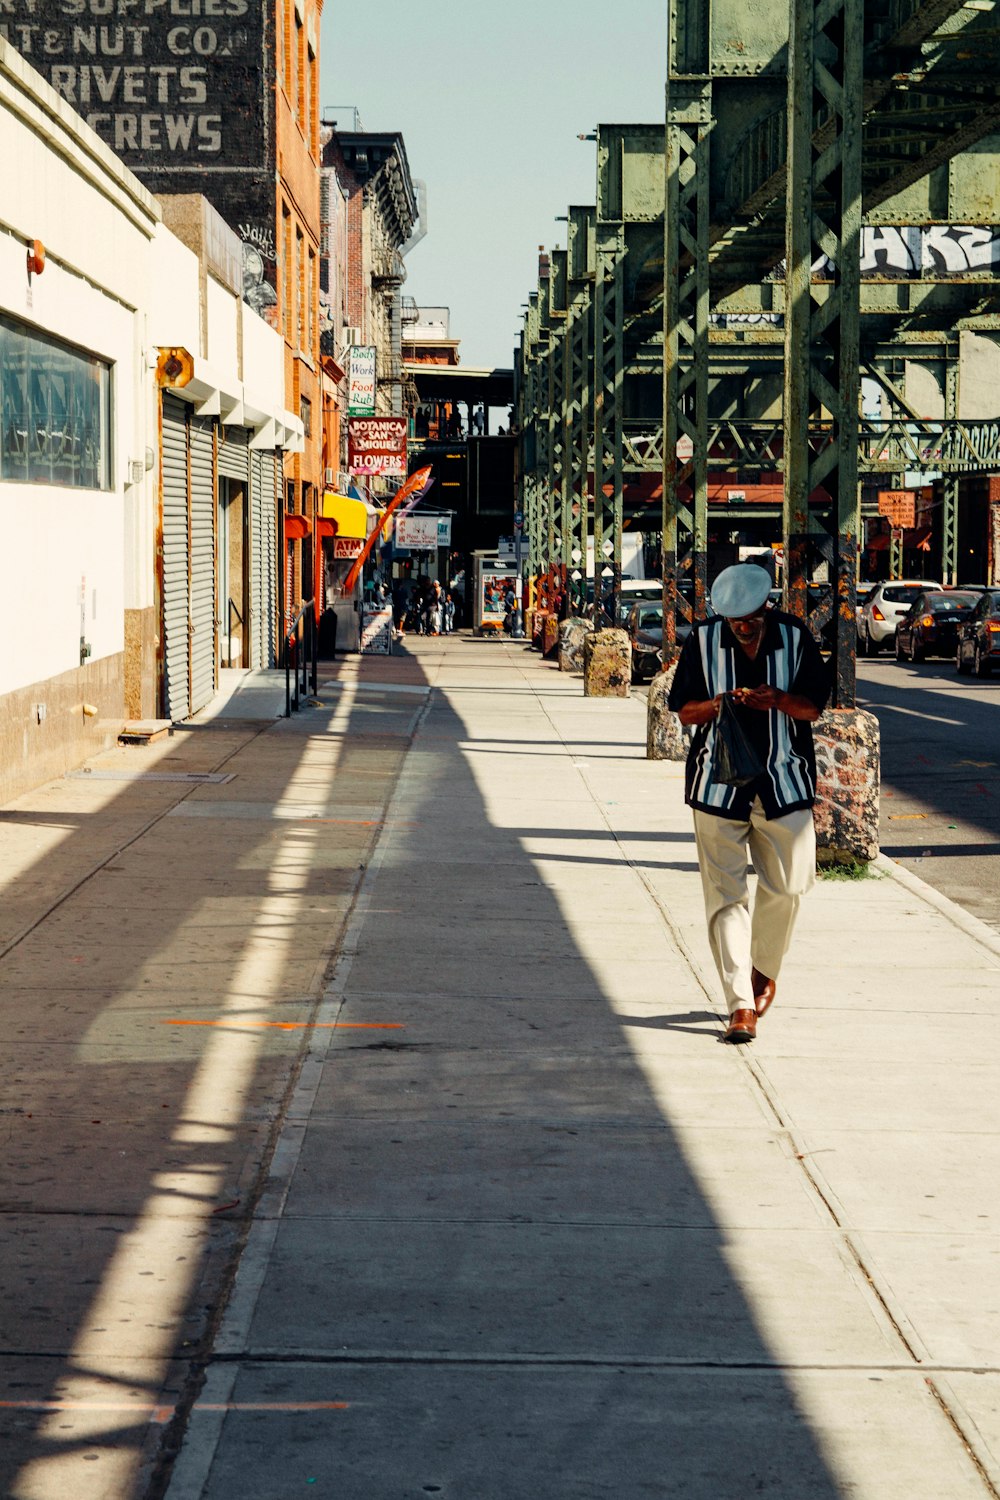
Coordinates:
176 556
234 452
263 603
256 561
204 652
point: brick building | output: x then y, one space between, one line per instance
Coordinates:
221 100
368 182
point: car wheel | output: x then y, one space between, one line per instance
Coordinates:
980 667
917 652
961 665
899 649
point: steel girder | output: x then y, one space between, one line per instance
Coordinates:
822 335
922 106
684 452
578 345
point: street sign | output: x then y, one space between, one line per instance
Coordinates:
685 448
900 506
519 518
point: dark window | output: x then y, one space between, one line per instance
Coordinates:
55 411
942 603
900 594
306 414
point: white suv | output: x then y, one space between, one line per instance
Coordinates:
884 608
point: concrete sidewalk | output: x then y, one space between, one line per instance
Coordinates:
525 1228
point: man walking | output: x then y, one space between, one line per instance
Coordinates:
770 666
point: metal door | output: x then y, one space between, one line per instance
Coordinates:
176 554
203 562
263 602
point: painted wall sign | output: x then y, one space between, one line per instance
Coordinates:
361 380
158 80
377 446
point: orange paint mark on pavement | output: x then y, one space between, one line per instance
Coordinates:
295 1025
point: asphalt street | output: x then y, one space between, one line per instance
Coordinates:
940 812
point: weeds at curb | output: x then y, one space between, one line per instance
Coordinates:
853 870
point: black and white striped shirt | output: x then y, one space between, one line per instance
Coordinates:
713 662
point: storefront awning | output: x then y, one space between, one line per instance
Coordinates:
350 515
297 528
915 539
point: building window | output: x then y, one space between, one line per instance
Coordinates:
55 411
301 297
288 270
309 82
296 89
312 298
306 413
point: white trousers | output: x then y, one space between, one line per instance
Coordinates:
783 851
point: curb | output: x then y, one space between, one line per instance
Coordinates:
972 926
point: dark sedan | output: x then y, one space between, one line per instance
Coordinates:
644 627
931 624
978 648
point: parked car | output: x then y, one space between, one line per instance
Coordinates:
978 648
930 625
884 608
644 627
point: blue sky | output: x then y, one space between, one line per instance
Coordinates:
490 99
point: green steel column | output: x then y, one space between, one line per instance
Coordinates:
685 341
580 437
822 322
609 362
535 444
951 481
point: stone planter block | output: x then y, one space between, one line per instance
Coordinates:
607 664
572 634
665 737
848 767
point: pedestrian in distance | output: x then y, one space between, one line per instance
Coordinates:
435 605
761 668
449 613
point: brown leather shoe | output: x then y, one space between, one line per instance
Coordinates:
763 990
742 1026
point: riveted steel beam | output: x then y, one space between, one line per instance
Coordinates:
822 335
684 451
609 362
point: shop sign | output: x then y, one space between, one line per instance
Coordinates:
376 446
376 632
444 531
419 532
899 507
360 380
347 547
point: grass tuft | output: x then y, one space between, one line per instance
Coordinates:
852 869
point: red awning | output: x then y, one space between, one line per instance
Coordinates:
297 528
915 539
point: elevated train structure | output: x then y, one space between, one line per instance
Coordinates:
819 217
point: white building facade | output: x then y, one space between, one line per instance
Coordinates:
139 470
